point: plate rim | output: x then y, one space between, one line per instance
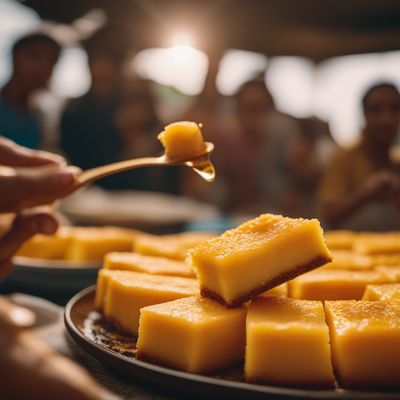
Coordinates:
293 393
56 264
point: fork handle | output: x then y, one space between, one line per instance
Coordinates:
93 174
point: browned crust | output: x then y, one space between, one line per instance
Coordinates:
317 384
284 277
118 327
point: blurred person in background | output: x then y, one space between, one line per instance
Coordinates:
33 59
138 126
361 186
297 157
239 147
269 160
89 135
115 120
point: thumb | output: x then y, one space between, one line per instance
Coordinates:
23 228
24 188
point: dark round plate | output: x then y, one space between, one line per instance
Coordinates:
52 275
97 338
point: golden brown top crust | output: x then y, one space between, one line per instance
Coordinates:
194 309
364 315
388 291
286 312
250 236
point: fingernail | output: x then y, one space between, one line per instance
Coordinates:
46 226
67 176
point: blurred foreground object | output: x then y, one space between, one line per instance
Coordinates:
44 373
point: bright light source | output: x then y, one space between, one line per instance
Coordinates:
181 66
291 82
181 39
237 67
71 76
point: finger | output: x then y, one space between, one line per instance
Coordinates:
14 155
36 186
23 228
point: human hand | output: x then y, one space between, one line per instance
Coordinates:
381 185
29 178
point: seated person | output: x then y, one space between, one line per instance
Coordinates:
33 59
240 147
361 186
114 120
298 161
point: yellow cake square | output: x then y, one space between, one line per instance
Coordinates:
258 255
334 284
346 259
365 340
388 291
281 290
47 246
378 243
169 246
93 243
148 264
385 259
288 343
392 273
182 140
103 279
126 292
193 334
340 239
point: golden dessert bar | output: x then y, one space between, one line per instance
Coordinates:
123 293
288 343
193 334
281 290
389 291
347 259
148 264
386 259
182 140
79 243
334 284
95 243
340 239
365 341
382 243
288 340
391 273
258 255
103 279
52 247
169 246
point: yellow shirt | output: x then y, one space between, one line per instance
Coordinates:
347 172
